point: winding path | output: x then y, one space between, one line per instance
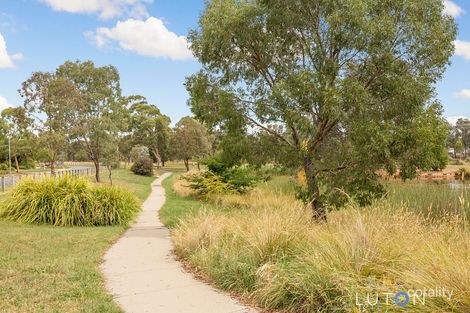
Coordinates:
144 277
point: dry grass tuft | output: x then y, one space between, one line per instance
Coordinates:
274 255
181 187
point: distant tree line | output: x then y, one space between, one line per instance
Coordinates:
78 113
458 141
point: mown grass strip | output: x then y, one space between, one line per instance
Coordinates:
48 269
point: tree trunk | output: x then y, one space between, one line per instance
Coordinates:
97 171
318 211
110 174
186 163
53 168
17 165
198 166
156 153
163 163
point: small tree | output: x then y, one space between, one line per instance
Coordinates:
462 128
111 157
458 147
50 101
18 127
103 114
190 140
150 128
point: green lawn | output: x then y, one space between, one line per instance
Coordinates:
177 207
55 269
138 185
174 167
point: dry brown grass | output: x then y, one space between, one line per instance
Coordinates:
181 187
273 254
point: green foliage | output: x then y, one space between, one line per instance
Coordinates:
23 141
150 128
69 201
50 102
459 147
3 167
103 113
190 140
344 87
221 178
29 164
139 152
461 133
207 182
143 166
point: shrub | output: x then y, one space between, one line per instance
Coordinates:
233 180
112 206
221 178
69 201
30 164
206 182
3 167
143 167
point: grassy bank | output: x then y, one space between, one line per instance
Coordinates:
54 269
264 247
177 208
176 167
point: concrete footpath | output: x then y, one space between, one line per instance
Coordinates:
143 276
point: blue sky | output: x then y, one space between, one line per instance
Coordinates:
145 40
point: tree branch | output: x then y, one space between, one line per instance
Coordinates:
272 132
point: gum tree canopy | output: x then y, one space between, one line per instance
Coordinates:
351 82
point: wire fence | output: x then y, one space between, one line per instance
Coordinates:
9 181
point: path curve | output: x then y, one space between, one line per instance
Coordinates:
143 276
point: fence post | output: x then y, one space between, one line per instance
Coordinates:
3 183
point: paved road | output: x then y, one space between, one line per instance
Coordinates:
144 277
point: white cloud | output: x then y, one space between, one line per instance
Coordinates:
17 56
148 38
453 119
105 8
4 104
463 94
452 9
6 60
462 49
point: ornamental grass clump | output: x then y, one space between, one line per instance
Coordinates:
69 201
